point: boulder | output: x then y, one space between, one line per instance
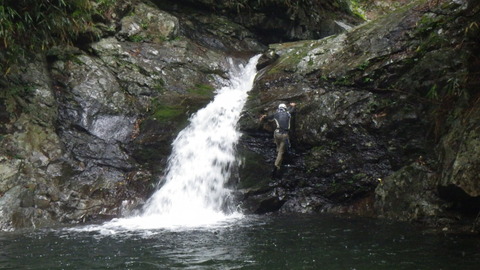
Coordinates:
148 23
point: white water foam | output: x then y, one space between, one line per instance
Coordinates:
194 193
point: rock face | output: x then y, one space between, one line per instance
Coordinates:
348 134
386 122
30 153
447 184
271 21
372 103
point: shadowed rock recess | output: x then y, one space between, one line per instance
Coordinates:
387 120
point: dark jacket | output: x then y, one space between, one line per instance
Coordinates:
282 119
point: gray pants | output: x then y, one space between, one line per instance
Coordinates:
280 140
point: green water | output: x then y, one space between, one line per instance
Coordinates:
287 242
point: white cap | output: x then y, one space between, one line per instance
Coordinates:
282 106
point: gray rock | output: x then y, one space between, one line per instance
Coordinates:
147 23
407 195
458 151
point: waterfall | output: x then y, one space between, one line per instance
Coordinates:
194 192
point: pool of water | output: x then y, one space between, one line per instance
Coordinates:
256 242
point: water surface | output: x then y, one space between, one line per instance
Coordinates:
281 242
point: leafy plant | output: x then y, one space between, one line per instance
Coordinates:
32 26
433 93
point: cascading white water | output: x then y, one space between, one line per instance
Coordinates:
194 192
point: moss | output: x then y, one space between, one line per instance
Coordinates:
434 40
164 111
159 86
167 112
344 80
202 90
367 80
13 98
428 30
289 61
357 10
253 172
359 176
138 38
364 65
324 78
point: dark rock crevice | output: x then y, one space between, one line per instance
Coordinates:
459 201
275 21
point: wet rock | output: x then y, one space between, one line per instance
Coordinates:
276 21
92 121
28 147
9 202
407 194
303 203
459 150
8 172
266 59
147 23
262 203
362 118
446 198
41 202
178 67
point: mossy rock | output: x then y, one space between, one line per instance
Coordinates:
164 112
254 173
204 90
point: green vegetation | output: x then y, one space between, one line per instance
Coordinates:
32 26
356 8
165 112
344 80
432 39
364 65
202 90
12 104
357 177
159 85
433 93
138 38
289 61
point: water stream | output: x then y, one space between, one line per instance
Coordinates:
194 192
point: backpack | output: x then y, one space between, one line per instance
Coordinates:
282 119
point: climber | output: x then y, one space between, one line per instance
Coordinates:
282 119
